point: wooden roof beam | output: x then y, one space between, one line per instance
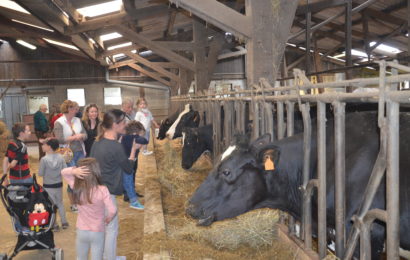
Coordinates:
157 48
318 6
219 15
115 19
152 65
150 74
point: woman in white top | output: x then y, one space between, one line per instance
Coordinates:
69 131
145 117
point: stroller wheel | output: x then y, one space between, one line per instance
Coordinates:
58 254
3 256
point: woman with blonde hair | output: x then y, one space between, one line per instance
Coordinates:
70 132
91 121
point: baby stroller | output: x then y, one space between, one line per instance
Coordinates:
33 215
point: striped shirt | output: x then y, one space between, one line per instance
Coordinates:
17 150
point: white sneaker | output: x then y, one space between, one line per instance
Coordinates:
147 152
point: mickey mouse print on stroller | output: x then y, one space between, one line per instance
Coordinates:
33 215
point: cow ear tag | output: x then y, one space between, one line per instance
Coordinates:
269 165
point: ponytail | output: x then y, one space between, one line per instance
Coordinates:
112 116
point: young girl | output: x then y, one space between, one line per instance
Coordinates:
145 117
95 207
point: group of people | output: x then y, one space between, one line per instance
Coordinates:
103 166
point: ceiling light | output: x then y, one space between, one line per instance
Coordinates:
386 48
117 56
26 44
100 9
291 44
61 44
119 46
13 5
110 36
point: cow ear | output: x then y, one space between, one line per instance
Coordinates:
261 141
197 117
268 157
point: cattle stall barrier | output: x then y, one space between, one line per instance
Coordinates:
233 112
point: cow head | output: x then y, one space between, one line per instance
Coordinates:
163 128
193 147
235 186
190 119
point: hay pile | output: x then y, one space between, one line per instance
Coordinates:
251 235
255 229
4 139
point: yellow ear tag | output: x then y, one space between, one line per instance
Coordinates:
269 165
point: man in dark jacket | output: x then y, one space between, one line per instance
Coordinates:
41 126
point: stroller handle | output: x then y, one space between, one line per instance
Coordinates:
2 179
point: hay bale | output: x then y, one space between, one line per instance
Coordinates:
255 229
4 138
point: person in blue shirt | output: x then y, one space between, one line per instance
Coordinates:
134 131
41 127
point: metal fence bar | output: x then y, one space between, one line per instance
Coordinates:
392 182
321 144
340 190
306 209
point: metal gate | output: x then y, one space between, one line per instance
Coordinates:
264 100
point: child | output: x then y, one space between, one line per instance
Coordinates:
145 117
95 207
134 131
51 166
16 158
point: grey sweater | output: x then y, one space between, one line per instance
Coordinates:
113 162
50 168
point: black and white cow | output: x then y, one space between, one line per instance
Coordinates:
241 182
195 142
166 124
187 118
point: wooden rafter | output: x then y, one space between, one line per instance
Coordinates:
152 65
157 48
150 74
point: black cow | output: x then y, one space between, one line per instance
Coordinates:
188 118
196 141
166 124
240 182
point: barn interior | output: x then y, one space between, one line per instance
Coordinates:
105 52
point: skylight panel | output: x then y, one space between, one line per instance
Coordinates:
26 44
119 46
386 48
110 36
61 44
100 9
13 5
32 25
118 56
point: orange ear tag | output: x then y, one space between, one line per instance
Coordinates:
269 165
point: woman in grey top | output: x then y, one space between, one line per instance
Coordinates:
113 162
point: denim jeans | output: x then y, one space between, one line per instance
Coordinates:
111 234
129 186
76 156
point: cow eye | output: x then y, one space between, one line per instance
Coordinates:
226 172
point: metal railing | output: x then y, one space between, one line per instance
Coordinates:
258 105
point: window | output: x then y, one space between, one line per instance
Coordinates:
112 96
77 95
34 103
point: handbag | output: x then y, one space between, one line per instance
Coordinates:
67 154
